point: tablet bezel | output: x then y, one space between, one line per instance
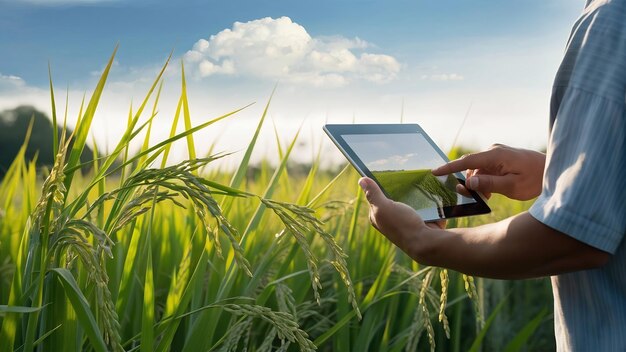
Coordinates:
336 132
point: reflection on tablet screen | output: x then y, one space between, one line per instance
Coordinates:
401 163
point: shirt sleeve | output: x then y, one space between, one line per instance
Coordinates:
584 187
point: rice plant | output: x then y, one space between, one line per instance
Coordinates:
141 254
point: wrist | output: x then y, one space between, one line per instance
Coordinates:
423 245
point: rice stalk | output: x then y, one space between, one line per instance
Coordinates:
415 330
443 318
419 284
285 300
178 180
472 293
51 234
268 341
70 236
235 334
300 220
425 312
287 328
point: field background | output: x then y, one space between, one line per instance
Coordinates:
138 255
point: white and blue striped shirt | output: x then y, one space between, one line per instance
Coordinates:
584 188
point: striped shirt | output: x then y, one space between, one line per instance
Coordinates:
584 187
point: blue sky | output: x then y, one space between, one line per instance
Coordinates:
337 61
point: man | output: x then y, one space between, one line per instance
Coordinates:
574 231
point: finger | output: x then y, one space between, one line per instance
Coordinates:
373 220
460 189
373 193
473 172
439 224
466 162
489 183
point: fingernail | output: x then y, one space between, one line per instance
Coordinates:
362 183
473 183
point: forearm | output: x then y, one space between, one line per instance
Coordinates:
515 248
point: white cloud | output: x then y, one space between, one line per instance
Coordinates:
377 163
282 49
208 68
443 77
15 91
10 82
395 160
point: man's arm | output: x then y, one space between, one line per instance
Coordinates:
515 248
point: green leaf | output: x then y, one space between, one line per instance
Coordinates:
169 326
303 198
55 132
129 134
242 169
168 146
191 147
147 313
521 339
269 191
84 125
127 281
481 335
18 309
146 141
10 323
81 307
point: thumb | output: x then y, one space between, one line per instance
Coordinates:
490 183
373 193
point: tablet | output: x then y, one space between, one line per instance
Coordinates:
399 158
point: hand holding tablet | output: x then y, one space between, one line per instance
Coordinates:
399 158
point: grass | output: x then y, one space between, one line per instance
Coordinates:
418 188
137 255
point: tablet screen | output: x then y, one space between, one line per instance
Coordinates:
400 157
401 163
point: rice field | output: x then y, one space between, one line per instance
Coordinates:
137 254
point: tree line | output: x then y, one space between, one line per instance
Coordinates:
13 128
